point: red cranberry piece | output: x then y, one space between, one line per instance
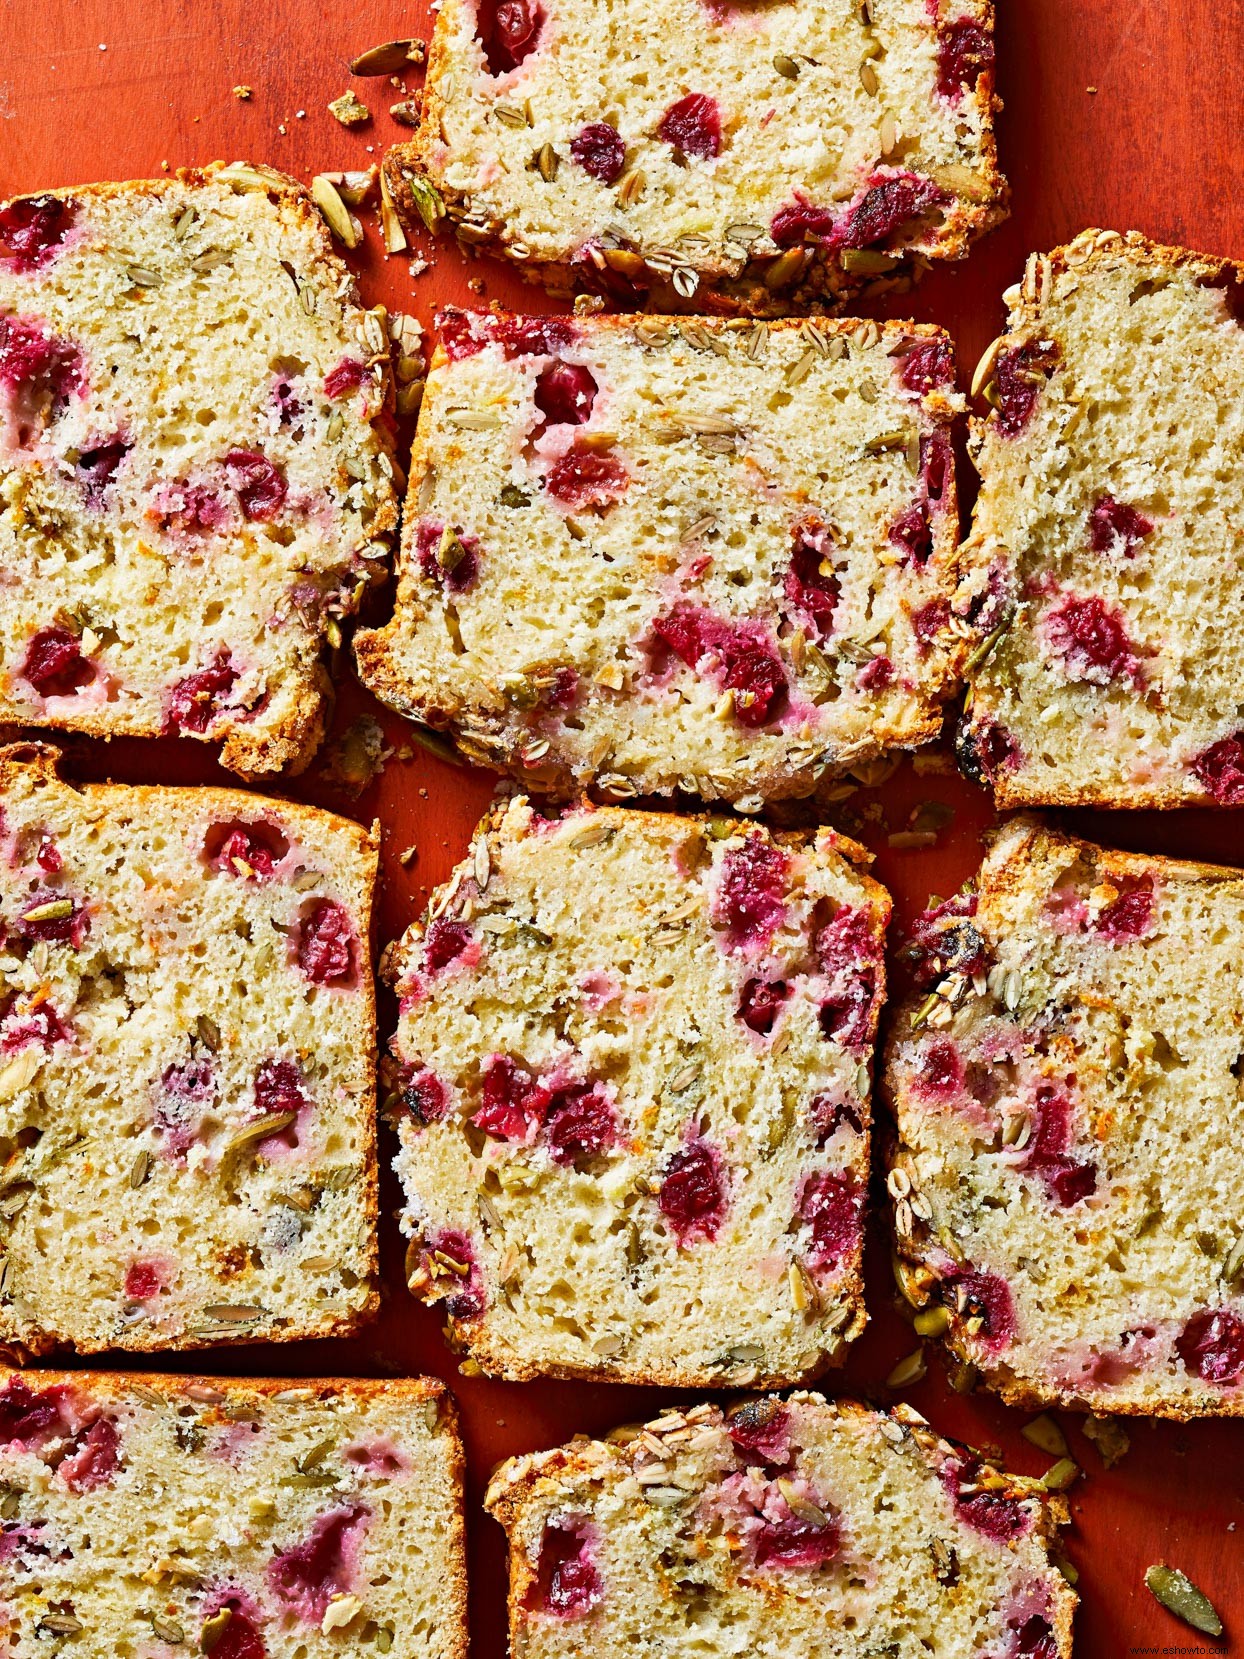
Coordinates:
692 1197
444 943
1069 1180
939 1069
240 1638
761 1002
1220 770
32 230
70 929
532 336
877 675
846 941
289 405
142 1281
1130 916
96 468
1017 380
931 620
467 1301
425 1097
1091 638
1211 1345
40 1024
936 464
761 1431
38 364
94 1459
758 680
459 333
1034 1639
747 661
927 366
54 664
795 1543
251 850
511 1102
913 533
887 204
194 702
846 1017
454 564
509 31
261 490
280 1087
48 857
964 52
994 1514
308 1576
580 1123
986 750
1115 527
326 944
830 1204
800 222
599 150
586 478
193 509
750 901
985 1297
693 125
564 691
942 940
811 587
565 393
346 377
185 1091
567 1583
28 1419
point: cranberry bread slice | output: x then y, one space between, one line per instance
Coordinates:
763 162
804 1527
1111 467
194 463
252 1519
187 1073
1069 1106
631 1082
690 555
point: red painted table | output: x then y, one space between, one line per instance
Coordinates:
1120 113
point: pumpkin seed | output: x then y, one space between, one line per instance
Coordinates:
896 438
742 1353
786 66
213 1629
243 177
933 1321
910 1370
389 59
55 910
986 647
685 281
142 277
799 370
1233 1265
272 1123
406 112
427 199
141 1169
867 261
231 1313
547 162
185 224
1044 1433
166 1630
10 1503
315 1456
1180 1596
868 79
336 214
60 1624
785 268
391 230
801 1507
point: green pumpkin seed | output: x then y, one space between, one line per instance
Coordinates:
1180 1596
272 1123
1044 1433
427 199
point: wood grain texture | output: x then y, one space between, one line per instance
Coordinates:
99 89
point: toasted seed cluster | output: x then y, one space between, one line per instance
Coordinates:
665 555
291 1519
187 1147
194 482
595 146
1111 470
631 1082
803 1528
1068 1102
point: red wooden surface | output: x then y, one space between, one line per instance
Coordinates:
98 89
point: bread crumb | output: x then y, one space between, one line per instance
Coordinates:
350 110
242 93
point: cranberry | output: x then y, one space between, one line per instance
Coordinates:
261 490
1211 1345
810 584
599 150
44 367
1068 1180
846 1017
761 1002
986 750
96 468
927 366
567 1583
512 1103
194 702
459 334
444 942
240 1638
1130 916
931 620
54 664
846 941
565 393
142 1281
795 1543
425 1097
466 1301
750 901
58 930
942 940
509 31
48 857
936 464
455 562
280 1087
33 229
964 51
346 377
887 204
186 1090
586 478
308 1576
986 1297
94 1459
1091 638
913 533
1220 770
580 1123
39 1024
1117 528
939 1069
251 850
191 509
532 336
326 946
1017 382
761 1430
1002 1518
877 675
289 405
800 222
693 125
692 1197
748 665
564 691
1034 1639
830 1205
28 1419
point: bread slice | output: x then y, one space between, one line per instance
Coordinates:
195 479
187 1074
251 1519
1111 470
689 555
1069 1107
631 1082
765 158
813 1529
